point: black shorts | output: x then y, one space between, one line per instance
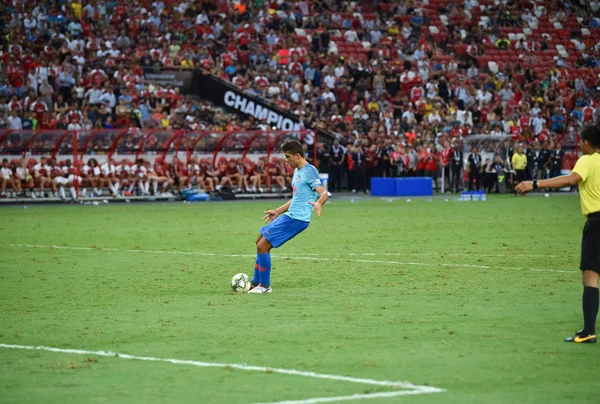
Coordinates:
590 244
521 176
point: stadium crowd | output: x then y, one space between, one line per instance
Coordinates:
399 84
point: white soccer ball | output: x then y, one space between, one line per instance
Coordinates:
240 283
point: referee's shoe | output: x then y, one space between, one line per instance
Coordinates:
582 338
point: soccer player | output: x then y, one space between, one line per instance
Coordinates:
586 173
290 219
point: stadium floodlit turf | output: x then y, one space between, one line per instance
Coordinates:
472 298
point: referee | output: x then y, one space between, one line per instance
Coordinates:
587 174
519 163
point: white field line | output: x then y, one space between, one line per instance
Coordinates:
205 254
366 396
412 388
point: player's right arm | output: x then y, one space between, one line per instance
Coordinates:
556 182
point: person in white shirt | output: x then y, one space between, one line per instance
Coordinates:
140 172
59 179
23 179
29 22
473 72
328 95
434 118
329 81
74 126
14 122
409 115
483 97
41 175
339 70
109 173
538 123
69 173
7 178
351 35
91 174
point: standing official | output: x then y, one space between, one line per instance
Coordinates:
475 169
456 163
358 169
445 163
587 174
336 162
558 154
539 162
519 163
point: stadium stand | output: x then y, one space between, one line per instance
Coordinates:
383 75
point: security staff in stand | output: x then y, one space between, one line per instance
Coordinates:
475 169
336 162
558 154
456 163
530 161
358 170
586 174
539 161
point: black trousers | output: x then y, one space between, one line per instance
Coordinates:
456 172
369 173
555 171
335 178
474 176
358 179
491 180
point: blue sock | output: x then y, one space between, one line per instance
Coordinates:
264 263
256 278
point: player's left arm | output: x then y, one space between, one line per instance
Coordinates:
271 215
320 200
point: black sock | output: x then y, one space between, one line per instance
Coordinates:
590 309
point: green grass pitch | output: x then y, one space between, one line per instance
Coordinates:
470 297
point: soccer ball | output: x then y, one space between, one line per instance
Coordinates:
240 283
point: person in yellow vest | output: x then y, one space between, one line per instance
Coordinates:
519 164
77 8
586 173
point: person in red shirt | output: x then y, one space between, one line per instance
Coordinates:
588 114
40 108
258 175
445 162
371 161
423 157
275 174
431 165
176 172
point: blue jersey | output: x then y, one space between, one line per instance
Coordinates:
304 183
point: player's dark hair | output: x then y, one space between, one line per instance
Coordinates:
292 146
591 133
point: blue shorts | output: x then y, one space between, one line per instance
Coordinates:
282 229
